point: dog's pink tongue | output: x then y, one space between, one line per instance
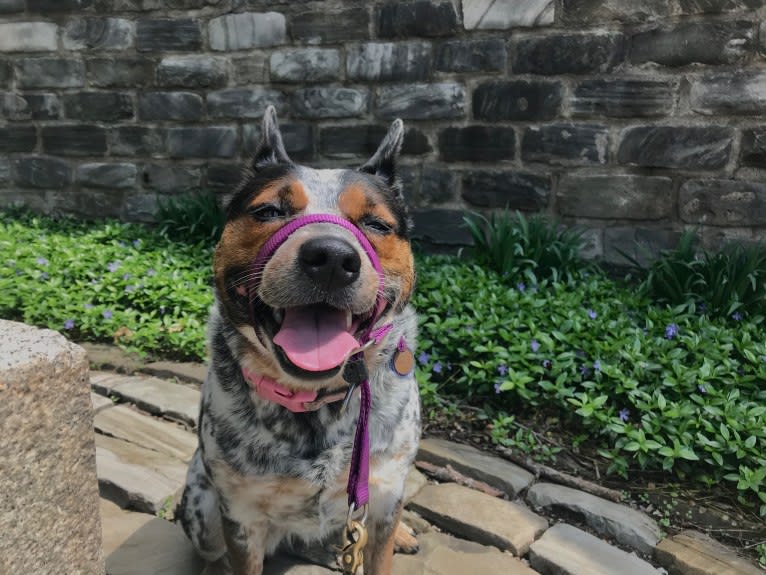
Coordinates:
315 338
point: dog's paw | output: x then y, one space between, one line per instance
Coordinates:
405 540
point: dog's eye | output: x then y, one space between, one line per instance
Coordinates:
378 226
266 213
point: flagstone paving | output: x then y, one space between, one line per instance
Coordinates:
144 437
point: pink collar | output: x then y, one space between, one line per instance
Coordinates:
295 401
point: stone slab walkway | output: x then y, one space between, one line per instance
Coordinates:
144 429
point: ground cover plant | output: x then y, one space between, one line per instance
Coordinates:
654 386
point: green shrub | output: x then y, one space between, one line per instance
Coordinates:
191 218
531 249
727 283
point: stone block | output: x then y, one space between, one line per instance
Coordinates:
74 140
692 552
251 69
583 53
389 61
437 186
361 141
108 176
686 43
640 243
168 34
58 6
50 73
118 525
566 550
330 26
244 102
202 142
11 6
625 525
723 202
517 100
17 139
186 106
729 93
506 189
701 148
30 106
442 100
483 55
477 144
298 139
6 73
624 97
88 203
139 207
5 170
590 11
566 144
331 102
247 30
172 179
506 14
50 515
717 6
618 196
28 37
479 517
754 147
305 65
223 177
42 172
440 226
136 141
197 71
420 18
100 106
120 72
99 34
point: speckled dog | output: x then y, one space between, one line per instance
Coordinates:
264 475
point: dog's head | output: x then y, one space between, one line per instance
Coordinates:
304 310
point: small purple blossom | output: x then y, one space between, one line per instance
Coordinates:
671 331
584 370
129 289
136 243
535 345
88 306
69 324
423 358
702 307
521 287
497 388
547 363
597 365
113 266
437 368
107 314
624 414
126 277
42 261
702 389
151 272
592 314
44 276
736 316
502 370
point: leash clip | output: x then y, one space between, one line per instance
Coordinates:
351 558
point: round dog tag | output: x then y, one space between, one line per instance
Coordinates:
403 362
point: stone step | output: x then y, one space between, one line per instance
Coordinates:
157 396
476 464
627 526
442 554
185 370
135 477
566 550
125 423
479 517
117 525
414 482
694 553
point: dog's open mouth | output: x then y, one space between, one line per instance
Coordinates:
314 340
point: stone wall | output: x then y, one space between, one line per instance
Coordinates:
636 118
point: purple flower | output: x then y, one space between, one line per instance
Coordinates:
736 316
584 370
129 289
535 345
671 331
547 363
42 261
592 314
422 358
597 365
136 243
702 307
126 277
107 314
88 306
69 324
150 272
702 389
497 388
624 414
44 276
437 367
521 287
502 370
113 266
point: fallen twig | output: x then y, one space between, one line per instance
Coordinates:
448 473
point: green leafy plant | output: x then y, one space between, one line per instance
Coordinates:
193 218
533 249
761 550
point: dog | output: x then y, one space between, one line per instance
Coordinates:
279 410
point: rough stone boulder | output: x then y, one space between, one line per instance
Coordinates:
49 508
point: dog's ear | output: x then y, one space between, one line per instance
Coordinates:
271 149
383 161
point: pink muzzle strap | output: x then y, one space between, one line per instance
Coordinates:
301 401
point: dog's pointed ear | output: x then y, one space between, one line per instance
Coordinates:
383 161
271 149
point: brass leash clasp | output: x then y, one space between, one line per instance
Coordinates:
351 558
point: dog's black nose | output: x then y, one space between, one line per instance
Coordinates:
331 262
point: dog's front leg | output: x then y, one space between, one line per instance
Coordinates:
245 547
379 552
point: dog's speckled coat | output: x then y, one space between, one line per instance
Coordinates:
264 476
